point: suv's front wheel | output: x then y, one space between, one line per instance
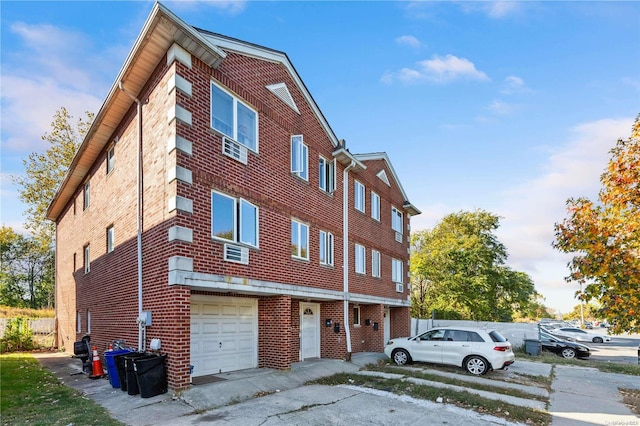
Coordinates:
476 365
401 357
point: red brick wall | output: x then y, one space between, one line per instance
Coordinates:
274 332
400 322
332 344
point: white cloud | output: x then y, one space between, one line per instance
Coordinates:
502 108
437 70
407 40
513 84
494 9
531 209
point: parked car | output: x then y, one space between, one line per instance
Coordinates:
579 335
563 348
474 349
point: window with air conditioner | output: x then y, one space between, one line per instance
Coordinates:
360 261
396 271
299 240
396 223
233 219
234 118
326 248
299 157
327 175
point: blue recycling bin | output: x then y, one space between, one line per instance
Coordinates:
112 369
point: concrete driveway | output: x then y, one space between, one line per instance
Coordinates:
581 396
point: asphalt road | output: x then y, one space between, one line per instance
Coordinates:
622 349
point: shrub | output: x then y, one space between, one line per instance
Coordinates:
17 336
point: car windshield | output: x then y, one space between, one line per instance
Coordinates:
496 336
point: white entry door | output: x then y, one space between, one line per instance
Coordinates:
223 334
387 325
309 331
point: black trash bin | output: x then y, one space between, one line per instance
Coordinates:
120 367
152 375
130 372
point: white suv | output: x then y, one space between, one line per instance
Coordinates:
475 349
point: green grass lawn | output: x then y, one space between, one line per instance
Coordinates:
30 395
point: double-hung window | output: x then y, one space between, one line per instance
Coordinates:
87 259
111 159
327 175
356 316
110 239
396 220
299 240
86 195
375 206
360 260
299 157
358 197
326 248
375 263
234 219
233 118
396 271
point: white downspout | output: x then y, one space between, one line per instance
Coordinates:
345 253
141 325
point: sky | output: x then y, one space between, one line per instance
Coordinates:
509 107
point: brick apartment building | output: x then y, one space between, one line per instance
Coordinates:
212 207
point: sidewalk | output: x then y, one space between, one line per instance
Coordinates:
580 396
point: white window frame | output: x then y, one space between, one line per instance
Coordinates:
327 175
234 133
299 240
87 258
88 322
356 316
111 159
111 239
358 196
397 271
375 206
238 207
396 220
86 195
375 263
78 322
326 248
299 157
360 259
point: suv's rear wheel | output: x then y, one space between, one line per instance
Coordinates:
401 357
476 365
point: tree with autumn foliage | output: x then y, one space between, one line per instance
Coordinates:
604 237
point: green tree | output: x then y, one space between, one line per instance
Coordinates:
604 239
26 271
44 172
458 269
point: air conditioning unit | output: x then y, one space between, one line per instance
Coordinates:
235 150
398 237
236 254
399 287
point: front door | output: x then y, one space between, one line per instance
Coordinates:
309 331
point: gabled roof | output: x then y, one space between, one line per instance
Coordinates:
161 30
410 208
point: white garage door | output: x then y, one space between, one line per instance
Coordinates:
223 334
